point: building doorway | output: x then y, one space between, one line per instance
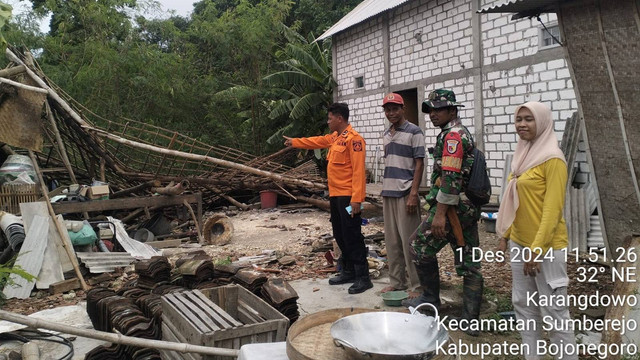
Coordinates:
410 98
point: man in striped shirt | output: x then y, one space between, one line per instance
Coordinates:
404 152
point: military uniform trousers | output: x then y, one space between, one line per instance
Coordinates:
427 246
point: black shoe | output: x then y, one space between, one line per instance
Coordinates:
360 285
343 278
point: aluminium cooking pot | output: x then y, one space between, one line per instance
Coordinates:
390 335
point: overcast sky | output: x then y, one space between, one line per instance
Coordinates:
181 7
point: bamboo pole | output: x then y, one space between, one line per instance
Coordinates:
61 148
144 185
195 220
117 338
52 214
12 71
322 204
233 201
23 86
225 163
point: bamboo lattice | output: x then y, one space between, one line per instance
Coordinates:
126 165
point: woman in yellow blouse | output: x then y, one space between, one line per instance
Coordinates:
530 223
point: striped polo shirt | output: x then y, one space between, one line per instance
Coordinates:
400 150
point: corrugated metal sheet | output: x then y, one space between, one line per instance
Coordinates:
101 262
362 12
522 8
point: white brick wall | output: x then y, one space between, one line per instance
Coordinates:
360 53
550 85
431 38
367 118
505 39
427 38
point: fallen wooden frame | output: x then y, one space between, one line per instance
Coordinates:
131 203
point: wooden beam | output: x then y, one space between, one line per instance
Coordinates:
64 286
127 203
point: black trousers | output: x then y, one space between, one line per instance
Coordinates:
347 231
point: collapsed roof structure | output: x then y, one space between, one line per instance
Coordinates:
79 144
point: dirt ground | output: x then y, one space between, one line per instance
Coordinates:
295 232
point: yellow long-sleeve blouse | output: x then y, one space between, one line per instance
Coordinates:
539 222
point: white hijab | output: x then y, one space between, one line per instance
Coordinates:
528 154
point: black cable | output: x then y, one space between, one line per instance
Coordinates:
27 335
549 32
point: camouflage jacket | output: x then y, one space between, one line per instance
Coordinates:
453 158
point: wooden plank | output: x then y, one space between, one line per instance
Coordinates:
251 311
583 219
127 203
227 317
64 286
566 213
258 304
188 313
574 217
233 333
169 334
29 258
165 243
196 314
182 323
214 312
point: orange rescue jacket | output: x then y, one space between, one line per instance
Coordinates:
346 161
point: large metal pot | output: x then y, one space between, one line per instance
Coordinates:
390 335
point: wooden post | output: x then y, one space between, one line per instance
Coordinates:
195 220
61 148
70 253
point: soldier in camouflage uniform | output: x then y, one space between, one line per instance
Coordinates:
453 158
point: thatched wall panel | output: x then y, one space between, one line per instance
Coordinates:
590 62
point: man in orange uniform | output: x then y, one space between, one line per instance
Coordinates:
347 184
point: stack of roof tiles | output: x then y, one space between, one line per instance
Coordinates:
279 294
195 269
225 272
108 310
121 352
152 272
251 280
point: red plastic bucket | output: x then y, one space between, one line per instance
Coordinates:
268 199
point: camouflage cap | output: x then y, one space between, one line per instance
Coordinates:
438 99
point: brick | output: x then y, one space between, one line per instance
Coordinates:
555 64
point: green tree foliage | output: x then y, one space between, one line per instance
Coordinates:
316 16
5 14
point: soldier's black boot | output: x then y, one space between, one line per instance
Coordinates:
345 276
471 301
429 275
363 282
